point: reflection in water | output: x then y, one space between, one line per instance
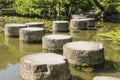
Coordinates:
30 48
11 41
11 73
83 34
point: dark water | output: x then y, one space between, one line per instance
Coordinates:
11 50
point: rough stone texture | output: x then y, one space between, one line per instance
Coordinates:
44 66
105 78
90 22
60 26
31 34
79 16
55 42
12 30
78 23
84 52
35 24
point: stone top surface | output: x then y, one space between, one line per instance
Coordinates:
105 78
33 23
79 19
15 25
84 45
45 58
33 29
60 21
90 18
58 36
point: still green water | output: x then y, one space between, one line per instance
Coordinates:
11 50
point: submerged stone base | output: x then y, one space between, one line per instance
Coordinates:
44 66
82 52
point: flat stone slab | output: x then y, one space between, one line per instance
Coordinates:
55 41
60 26
84 52
105 78
12 30
35 24
44 66
32 34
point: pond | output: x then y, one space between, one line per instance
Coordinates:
11 50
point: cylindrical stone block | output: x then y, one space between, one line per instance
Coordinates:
79 16
12 30
44 66
55 42
90 22
78 23
31 34
105 78
60 26
35 24
81 52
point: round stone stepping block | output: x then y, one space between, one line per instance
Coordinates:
35 24
55 41
31 34
90 22
79 16
60 26
81 52
78 24
105 78
42 66
12 30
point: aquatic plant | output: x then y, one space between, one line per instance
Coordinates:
113 36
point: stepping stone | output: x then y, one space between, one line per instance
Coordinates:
31 34
55 42
105 78
12 30
35 24
81 52
78 24
91 22
60 26
79 16
44 66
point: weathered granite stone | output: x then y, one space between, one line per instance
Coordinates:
90 22
12 30
78 24
55 42
105 78
60 26
79 16
35 24
84 52
44 66
31 34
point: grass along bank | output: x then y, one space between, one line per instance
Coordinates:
16 19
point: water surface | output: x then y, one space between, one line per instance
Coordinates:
11 50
